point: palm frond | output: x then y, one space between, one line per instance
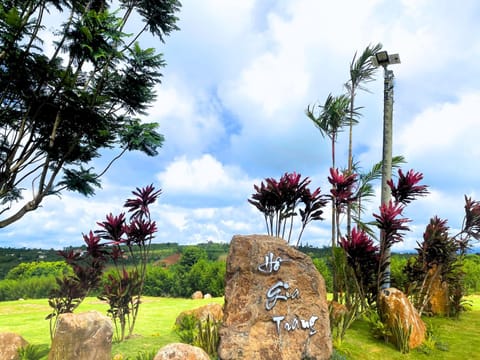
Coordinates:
362 69
332 116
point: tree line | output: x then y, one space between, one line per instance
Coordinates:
197 270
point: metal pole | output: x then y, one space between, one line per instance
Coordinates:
387 157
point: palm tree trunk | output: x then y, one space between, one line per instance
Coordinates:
334 234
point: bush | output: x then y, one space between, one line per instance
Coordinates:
187 329
159 281
38 269
471 267
324 270
207 276
28 288
398 276
203 334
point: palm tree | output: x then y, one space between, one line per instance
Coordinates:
333 116
331 119
361 71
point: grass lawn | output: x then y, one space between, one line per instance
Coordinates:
157 316
154 327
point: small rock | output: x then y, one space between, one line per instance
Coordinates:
213 311
197 295
179 351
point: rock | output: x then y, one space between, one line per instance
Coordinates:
179 351
83 336
337 311
275 303
197 295
207 296
9 345
395 305
438 303
214 311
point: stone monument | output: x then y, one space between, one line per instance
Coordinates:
275 303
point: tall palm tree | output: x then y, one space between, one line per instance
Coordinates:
331 119
333 116
361 71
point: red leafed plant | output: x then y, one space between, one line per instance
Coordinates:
362 256
116 239
280 200
390 220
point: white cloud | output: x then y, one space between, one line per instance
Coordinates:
203 176
443 132
188 118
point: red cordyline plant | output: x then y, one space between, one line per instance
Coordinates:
87 269
407 189
362 256
343 188
116 240
390 220
279 201
123 290
343 194
440 257
471 222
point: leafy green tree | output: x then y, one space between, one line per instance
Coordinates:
191 255
61 108
208 277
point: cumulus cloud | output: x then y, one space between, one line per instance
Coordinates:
203 177
442 137
239 76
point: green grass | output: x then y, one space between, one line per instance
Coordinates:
153 330
157 316
459 336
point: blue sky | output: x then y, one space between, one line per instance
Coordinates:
239 77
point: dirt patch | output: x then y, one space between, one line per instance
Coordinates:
169 260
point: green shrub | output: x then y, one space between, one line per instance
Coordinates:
207 336
143 355
38 269
324 270
159 281
203 334
187 329
32 352
401 334
398 276
28 288
376 326
471 268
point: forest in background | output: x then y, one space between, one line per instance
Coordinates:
175 270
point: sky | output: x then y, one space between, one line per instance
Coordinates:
232 102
